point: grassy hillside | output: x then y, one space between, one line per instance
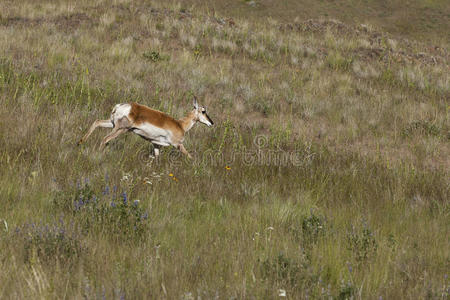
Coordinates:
427 20
325 175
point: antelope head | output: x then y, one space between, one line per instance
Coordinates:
201 115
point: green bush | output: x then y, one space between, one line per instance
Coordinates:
362 242
313 226
111 213
155 56
281 268
49 242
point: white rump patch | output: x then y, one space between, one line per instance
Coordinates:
120 111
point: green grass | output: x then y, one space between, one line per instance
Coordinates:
325 175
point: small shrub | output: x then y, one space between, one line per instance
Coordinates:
361 242
338 62
121 219
76 197
263 107
290 273
49 242
391 242
388 76
154 56
112 212
347 291
421 127
313 226
281 268
197 51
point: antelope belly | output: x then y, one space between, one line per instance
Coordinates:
155 134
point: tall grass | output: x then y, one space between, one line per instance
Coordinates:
325 176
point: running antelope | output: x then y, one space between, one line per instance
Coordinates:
155 126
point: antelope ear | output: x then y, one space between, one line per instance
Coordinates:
195 103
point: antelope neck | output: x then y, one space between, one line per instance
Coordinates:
188 121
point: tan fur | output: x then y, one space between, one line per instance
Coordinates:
141 113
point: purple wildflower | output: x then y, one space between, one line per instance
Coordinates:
106 191
125 198
349 266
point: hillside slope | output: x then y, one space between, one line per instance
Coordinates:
424 20
325 175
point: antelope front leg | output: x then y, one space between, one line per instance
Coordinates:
184 151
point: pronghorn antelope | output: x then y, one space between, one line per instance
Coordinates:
155 126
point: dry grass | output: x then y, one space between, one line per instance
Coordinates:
363 213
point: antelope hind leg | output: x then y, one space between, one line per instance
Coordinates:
97 123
